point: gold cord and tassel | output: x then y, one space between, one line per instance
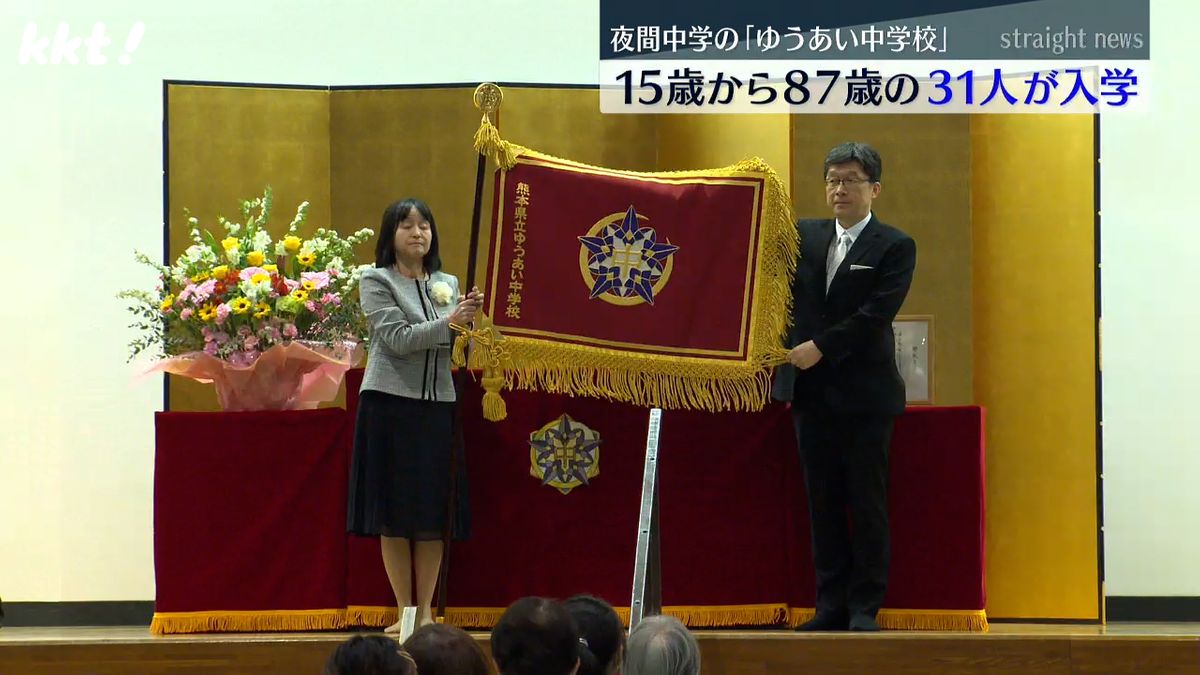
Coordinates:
491 353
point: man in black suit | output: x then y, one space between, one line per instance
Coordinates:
852 277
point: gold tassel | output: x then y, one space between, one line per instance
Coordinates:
489 143
459 356
494 408
492 354
487 139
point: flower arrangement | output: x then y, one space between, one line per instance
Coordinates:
237 298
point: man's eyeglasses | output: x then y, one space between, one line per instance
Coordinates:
833 183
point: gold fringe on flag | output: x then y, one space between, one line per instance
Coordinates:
665 381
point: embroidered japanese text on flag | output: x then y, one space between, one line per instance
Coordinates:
661 289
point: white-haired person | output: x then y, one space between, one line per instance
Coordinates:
661 645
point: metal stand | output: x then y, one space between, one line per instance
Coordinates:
647 566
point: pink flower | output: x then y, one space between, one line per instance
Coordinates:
251 342
319 279
291 284
289 331
204 290
310 306
221 338
186 314
223 312
248 272
186 292
331 299
210 348
244 331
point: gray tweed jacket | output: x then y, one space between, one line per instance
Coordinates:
410 335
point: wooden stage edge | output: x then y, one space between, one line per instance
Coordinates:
1115 649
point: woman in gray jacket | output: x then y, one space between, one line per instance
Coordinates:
399 474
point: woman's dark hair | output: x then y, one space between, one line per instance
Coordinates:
369 655
601 632
385 246
442 649
535 636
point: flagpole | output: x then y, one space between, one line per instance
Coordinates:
487 98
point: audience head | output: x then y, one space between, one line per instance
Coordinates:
370 655
602 638
442 649
661 645
536 636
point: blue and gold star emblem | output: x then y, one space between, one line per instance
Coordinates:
564 454
623 262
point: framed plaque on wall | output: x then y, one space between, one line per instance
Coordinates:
914 356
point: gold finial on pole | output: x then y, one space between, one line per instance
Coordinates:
488 97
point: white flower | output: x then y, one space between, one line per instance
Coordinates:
319 245
233 256
195 253
336 265
262 239
255 291
441 292
279 249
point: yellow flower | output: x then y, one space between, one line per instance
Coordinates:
306 259
239 305
259 277
291 243
229 243
167 303
208 312
200 278
261 310
220 272
300 295
271 268
308 285
255 258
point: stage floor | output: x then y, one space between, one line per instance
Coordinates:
1141 648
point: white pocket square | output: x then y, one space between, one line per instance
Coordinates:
860 267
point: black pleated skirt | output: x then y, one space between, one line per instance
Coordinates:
400 470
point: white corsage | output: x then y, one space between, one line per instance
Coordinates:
441 292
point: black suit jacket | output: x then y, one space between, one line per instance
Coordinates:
852 325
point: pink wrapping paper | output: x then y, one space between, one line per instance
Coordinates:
294 376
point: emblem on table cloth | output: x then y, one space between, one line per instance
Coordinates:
623 262
564 454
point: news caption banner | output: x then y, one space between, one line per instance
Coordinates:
961 56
